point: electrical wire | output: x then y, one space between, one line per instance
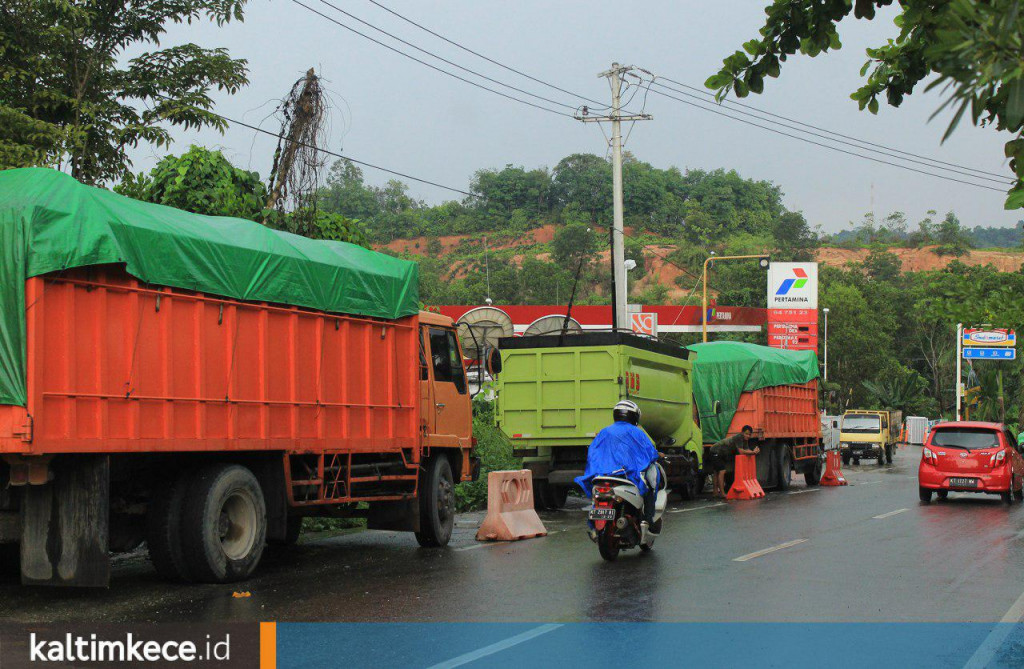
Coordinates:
431 66
826 146
1000 179
444 60
831 132
600 105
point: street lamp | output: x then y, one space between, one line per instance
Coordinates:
762 261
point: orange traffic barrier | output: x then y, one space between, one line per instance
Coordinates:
745 484
833 474
510 512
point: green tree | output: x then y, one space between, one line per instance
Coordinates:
572 242
900 388
794 239
952 238
201 181
585 180
69 97
970 48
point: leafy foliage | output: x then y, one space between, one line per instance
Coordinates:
971 49
70 98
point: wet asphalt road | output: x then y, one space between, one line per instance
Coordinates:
866 552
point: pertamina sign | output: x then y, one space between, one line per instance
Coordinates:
793 285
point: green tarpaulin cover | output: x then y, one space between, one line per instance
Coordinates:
51 222
724 370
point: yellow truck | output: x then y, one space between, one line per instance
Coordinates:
870 434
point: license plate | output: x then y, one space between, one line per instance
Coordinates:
602 514
963 483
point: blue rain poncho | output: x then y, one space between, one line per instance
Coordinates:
620 449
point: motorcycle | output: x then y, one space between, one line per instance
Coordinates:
617 511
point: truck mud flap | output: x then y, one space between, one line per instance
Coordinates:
65 525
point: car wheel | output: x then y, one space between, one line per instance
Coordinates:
942 494
1018 494
1006 497
925 494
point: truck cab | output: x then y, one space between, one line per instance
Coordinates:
868 434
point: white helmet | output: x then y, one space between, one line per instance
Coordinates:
626 411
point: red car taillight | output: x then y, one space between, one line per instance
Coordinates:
997 459
929 456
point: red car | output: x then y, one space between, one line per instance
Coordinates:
971 457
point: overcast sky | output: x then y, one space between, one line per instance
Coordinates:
399 114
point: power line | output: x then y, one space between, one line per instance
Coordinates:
826 146
431 66
442 59
339 155
600 104
832 132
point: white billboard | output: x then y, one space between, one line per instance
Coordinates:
793 285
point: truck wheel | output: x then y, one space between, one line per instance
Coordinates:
925 494
293 530
224 526
607 544
785 463
542 495
888 454
846 458
812 474
557 494
437 504
163 530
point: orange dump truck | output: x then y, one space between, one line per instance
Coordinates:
773 391
202 384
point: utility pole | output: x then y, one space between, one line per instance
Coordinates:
615 77
959 361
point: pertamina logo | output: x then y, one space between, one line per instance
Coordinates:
799 282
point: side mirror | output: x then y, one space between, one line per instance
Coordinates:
717 407
835 424
494 362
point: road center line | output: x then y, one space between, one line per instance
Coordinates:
765 551
891 513
800 492
496 647
985 653
697 508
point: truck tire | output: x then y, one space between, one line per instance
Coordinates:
784 460
881 456
163 530
293 530
846 458
812 473
542 495
224 526
557 495
437 504
888 454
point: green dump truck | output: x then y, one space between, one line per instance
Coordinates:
555 393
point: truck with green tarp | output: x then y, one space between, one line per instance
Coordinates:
202 384
775 392
556 392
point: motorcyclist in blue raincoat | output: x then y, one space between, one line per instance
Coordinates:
623 449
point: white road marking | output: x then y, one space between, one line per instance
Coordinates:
986 652
867 483
765 551
891 513
496 647
800 492
483 544
697 508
